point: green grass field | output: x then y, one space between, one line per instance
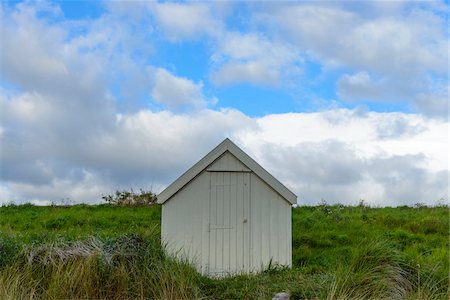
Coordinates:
114 252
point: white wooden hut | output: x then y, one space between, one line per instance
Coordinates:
228 215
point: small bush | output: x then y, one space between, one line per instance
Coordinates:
131 198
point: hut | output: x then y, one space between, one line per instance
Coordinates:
228 215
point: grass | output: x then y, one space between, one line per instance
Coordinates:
35 224
112 252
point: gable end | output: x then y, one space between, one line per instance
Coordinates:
227 155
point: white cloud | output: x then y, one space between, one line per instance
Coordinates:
359 86
336 172
366 87
238 57
253 58
253 46
30 54
415 42
143 149
394 52
178 93
314 28
434 103
6 195
181 21
86 190
159 137
343 156
251 72
364 132
429 96
338 155
63 135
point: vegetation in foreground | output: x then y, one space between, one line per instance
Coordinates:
114 252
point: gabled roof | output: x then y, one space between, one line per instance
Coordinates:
201 165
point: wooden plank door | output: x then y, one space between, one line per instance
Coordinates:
229 240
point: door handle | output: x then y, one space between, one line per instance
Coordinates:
245 220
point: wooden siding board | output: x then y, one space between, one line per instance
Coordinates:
284 234
233 223
289 234
265 205
212 233
246 240
269 221
273 229
240 225
205 224
227 162
182 233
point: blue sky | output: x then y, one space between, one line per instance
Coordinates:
341 101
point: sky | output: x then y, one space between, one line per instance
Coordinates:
341 101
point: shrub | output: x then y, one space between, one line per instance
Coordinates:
124 197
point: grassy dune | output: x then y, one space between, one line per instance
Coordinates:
113 252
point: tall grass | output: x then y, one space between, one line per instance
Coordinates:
376 271
129 267
136 267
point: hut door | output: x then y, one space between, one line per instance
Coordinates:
229 240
